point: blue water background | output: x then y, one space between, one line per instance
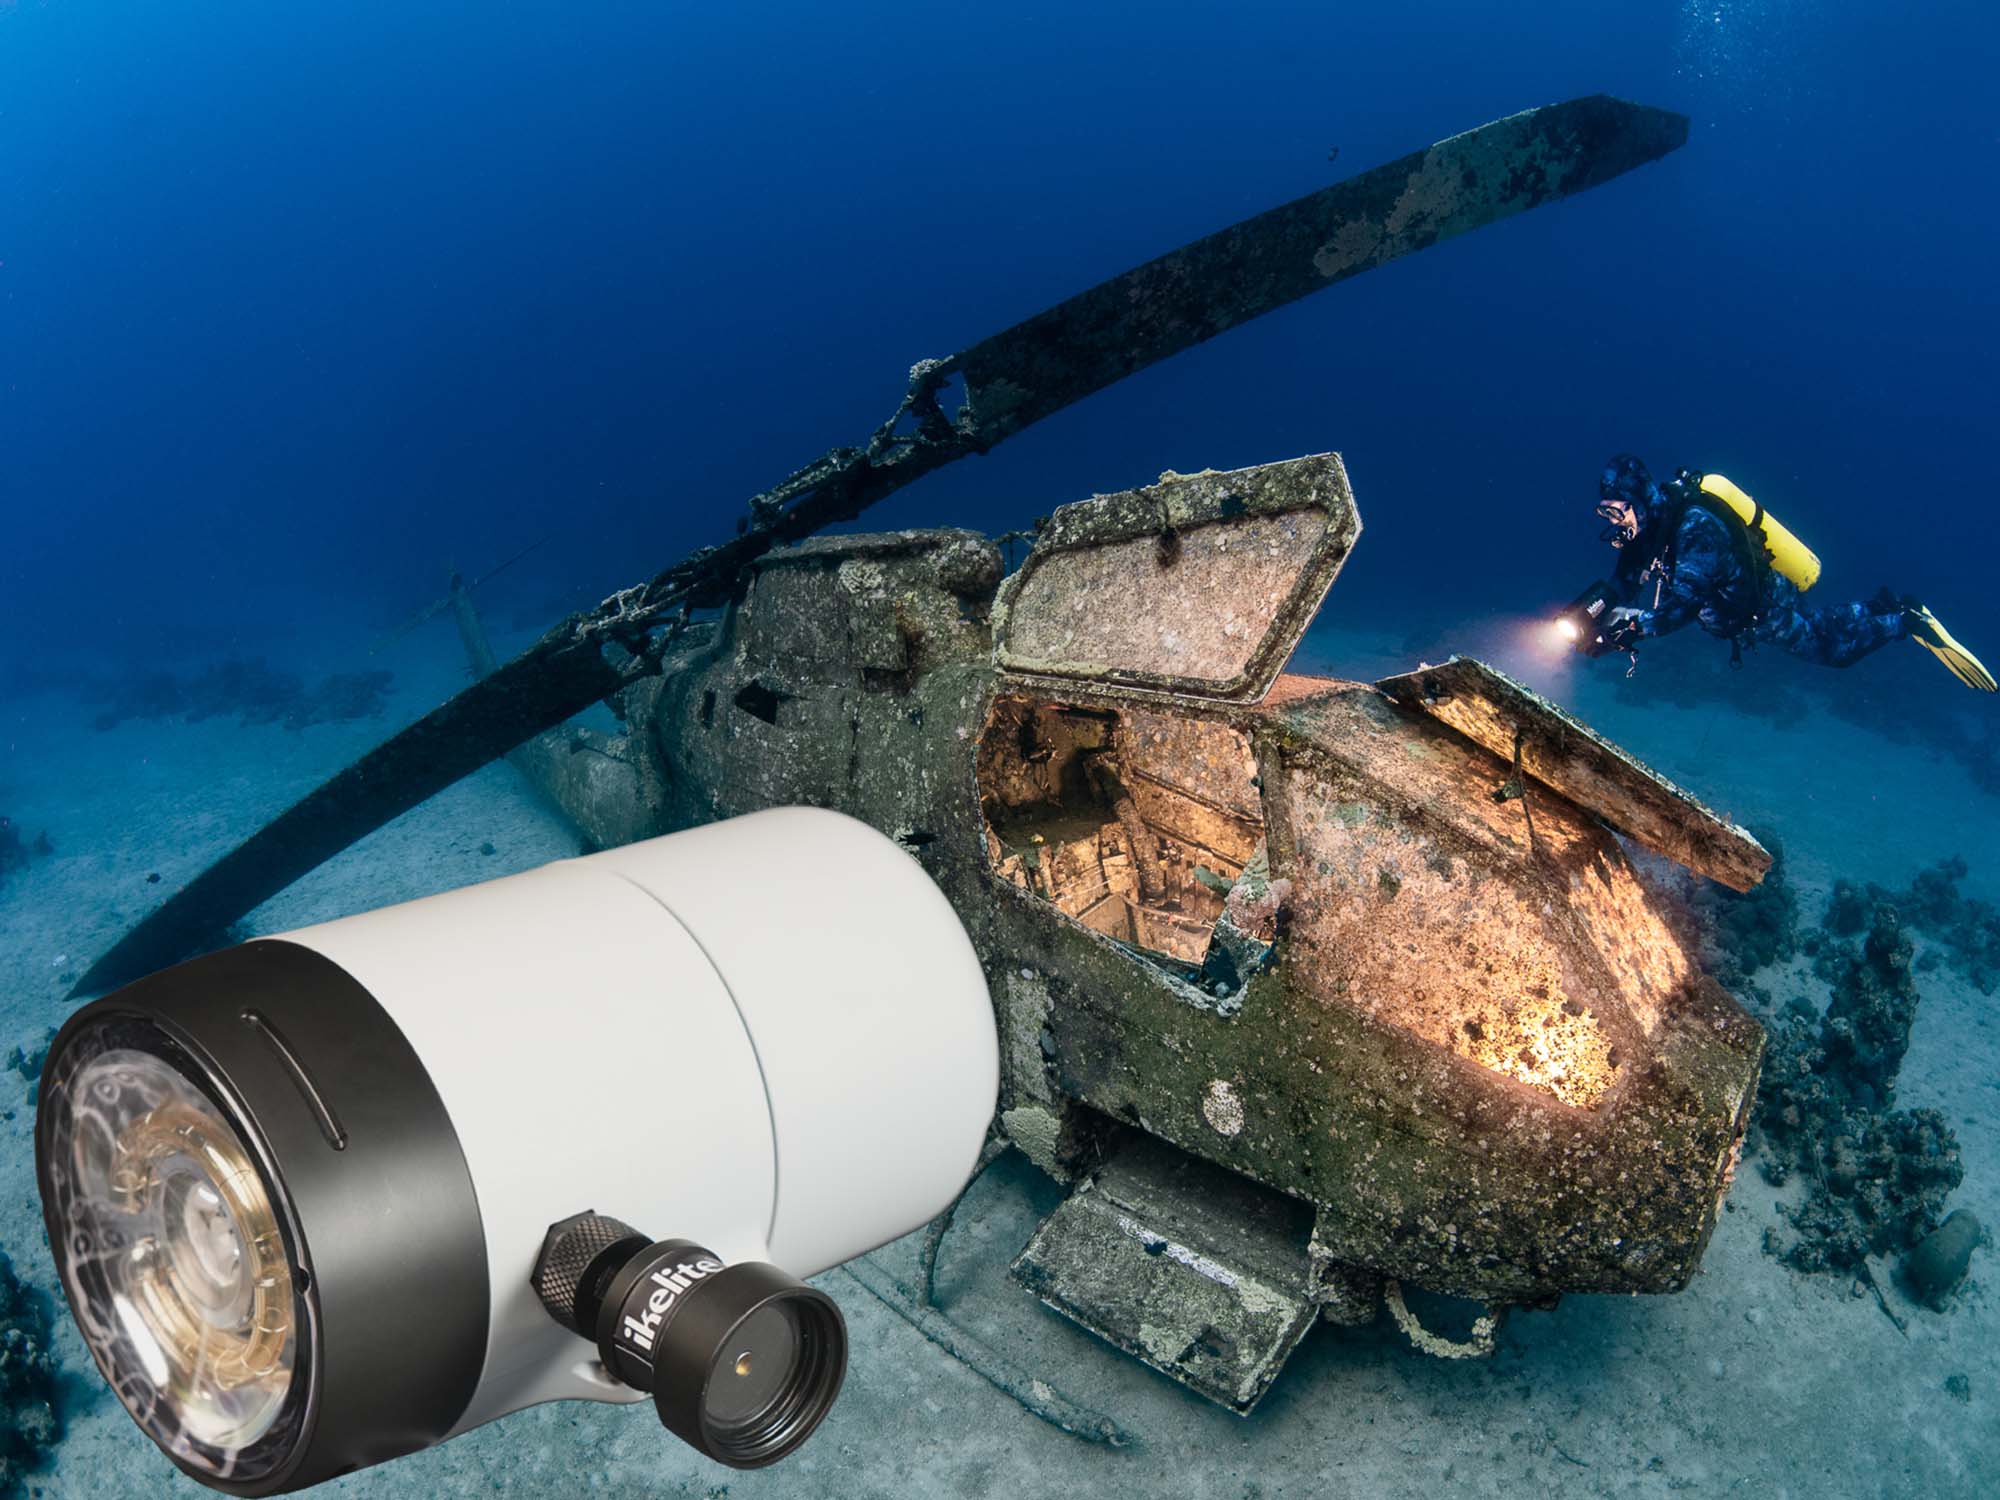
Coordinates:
298 304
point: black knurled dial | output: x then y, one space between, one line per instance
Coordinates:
578 1257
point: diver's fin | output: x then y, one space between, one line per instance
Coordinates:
1927 631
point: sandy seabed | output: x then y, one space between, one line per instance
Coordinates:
1756 1381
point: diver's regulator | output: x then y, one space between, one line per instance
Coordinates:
324 1199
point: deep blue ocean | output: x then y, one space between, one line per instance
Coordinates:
304 306
297 305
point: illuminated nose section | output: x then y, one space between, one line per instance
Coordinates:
1437 891
1563 1089
1374 946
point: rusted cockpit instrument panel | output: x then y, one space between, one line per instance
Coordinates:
1303 984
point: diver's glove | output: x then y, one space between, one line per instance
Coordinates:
1927 631
1623 628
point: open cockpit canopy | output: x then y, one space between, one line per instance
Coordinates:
1197 586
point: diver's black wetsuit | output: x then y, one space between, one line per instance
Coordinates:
1687 565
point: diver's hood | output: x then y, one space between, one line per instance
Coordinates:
1627 478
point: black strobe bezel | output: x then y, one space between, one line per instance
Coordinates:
368 1178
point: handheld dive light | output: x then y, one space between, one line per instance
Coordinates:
1580 623
323 1199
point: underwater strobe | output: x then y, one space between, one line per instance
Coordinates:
331 1197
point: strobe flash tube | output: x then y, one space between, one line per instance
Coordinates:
326 1198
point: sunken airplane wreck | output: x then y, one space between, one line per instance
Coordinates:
1310 989
1307 986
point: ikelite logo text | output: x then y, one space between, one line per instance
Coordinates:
668 1284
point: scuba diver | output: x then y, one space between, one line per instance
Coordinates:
1698 550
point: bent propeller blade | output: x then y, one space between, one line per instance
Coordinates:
1012 380
1464 182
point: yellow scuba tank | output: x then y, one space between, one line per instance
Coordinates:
1789 556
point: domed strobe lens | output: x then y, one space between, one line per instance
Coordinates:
743 1361
170 1250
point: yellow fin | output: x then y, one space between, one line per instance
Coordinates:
1930 633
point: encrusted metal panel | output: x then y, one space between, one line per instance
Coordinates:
1422 903
1199 585
1491 709
1204 757
1199 1273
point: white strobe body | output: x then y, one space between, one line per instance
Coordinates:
770 1036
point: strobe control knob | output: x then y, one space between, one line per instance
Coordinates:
742 1361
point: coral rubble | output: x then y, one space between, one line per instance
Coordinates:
1877 1176
1966 929
30 1420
